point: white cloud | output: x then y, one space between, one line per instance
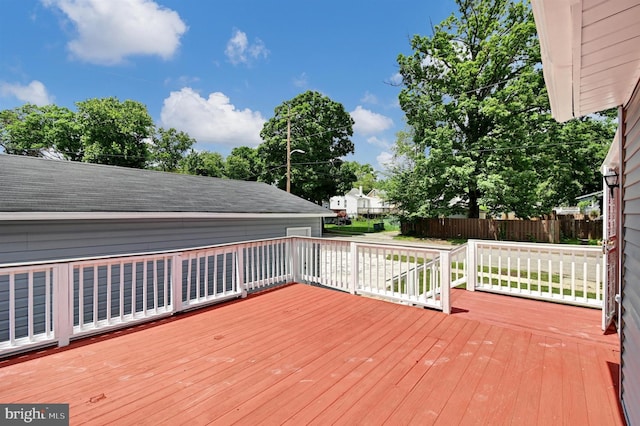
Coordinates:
211 120
396 79
301 80
34 92
240 51
373 140
385 159
369 122
109 31
369 98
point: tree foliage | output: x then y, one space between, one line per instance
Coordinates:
203 163
244 163
115 132
366 176
481 133
104 131
322 129
168 149
41 130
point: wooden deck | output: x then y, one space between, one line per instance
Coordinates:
302 354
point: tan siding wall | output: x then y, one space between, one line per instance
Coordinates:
630 324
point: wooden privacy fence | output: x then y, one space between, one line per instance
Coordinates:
585 229
484 229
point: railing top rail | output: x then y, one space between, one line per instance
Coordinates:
109 260
459 249
24 269
538 246
412 248
392 244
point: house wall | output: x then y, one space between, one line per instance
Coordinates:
51 240
337 202
630 283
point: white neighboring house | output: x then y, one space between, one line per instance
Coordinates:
351 202
356 203
378 204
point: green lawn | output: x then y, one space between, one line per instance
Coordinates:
359 227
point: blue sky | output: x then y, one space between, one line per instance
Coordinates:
216 69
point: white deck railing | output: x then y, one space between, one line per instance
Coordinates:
27 300
410 275
561 273
58 301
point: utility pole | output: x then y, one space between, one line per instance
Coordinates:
289 149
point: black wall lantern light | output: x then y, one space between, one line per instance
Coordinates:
611 179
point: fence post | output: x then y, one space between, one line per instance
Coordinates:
445 281
63 306
472 265
176 283
355 268
240 271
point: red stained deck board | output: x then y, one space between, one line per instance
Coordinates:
303 354
383 397
459 400
525 408
349 387
352 347
551 395
393 396
382 377
486 389
427 398
264 350
330 373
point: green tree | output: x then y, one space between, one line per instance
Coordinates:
38 130
366 176
168 149
243 163
481 132
115 132
322 129
203 163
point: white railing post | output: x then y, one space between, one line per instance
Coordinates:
240 271
355 268
176 283
295 259
472 265
445 281
62 303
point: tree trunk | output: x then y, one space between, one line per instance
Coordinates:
474 208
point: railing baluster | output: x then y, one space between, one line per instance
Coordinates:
48 326
30 306
121 295
108 294
96 291
165 282
224 273
12 308
145 280
80 297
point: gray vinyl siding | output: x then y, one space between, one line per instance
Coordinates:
57 240
51 240
630 315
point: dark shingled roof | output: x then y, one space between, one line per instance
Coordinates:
30 184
